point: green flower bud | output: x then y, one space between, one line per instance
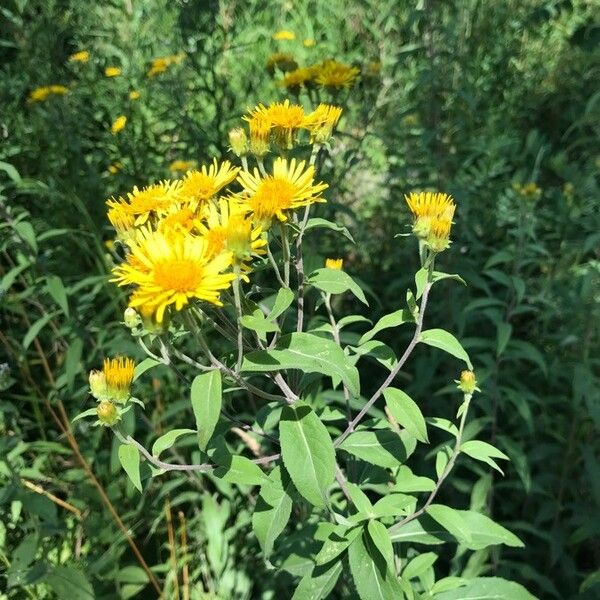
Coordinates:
108 413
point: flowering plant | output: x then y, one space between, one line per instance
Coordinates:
220 293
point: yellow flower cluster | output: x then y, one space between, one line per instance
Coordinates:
82 56
280 122
530 191
162 63
112 71
110 387
118 124
329 74
41 94
433 213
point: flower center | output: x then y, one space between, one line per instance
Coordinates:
273 194
180 275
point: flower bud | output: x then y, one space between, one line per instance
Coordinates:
131 318
238 141
468 382
107 412
334 263
98 386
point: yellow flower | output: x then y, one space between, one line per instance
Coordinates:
321 121
282 61
177 217
178 166
309 43
227 228
284 119
118 124
260 131
284 35
43 93
119 375
467 382
290 186
82 56
294 80
172 269
112 71
433 213
162 63
204 184
134 95
115 168
141 204
332 74
334 263
530 191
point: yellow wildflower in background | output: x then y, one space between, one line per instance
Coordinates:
41 94
171 270
296 79
141 204
284 36
118 124
433 213
162 63
180 166
334 263
134 95
112 71
321 121
82 56
203 184
309 43
284 119
115 168
290 186
282 61
332 74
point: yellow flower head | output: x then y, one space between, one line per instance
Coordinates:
177 217
115 168
294 80
284 120
112 71
43 93
118 124
334 263
201 185
172 269
134 95
141 204
281 60
284 36
227 228
82 56
122 220
260 132
309 43
467 382
335 75
162 63
119 375
290 186
180 166
321 121
433 213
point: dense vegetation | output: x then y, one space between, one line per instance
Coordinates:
494 103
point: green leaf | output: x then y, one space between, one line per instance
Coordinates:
335 281
421 277
308 353
487 588
207 398
360 500
451 520
379 351
438 276
36 327
258 323
27 233
439 338
335 544
394 319
383 447
393 505
240 470
90 412
372 578
272 510
284 298
419 565
307 451
483 451
165 441
129 457
57 290
407 481
324 223
406 411
319 583
145 365
381 538
70 583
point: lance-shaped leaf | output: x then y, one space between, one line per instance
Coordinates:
318 584
382 447
406 411
129 457
394 319
308 353
487 588
442 339
307 451
206 404
335 281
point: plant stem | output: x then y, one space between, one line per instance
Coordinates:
238 310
